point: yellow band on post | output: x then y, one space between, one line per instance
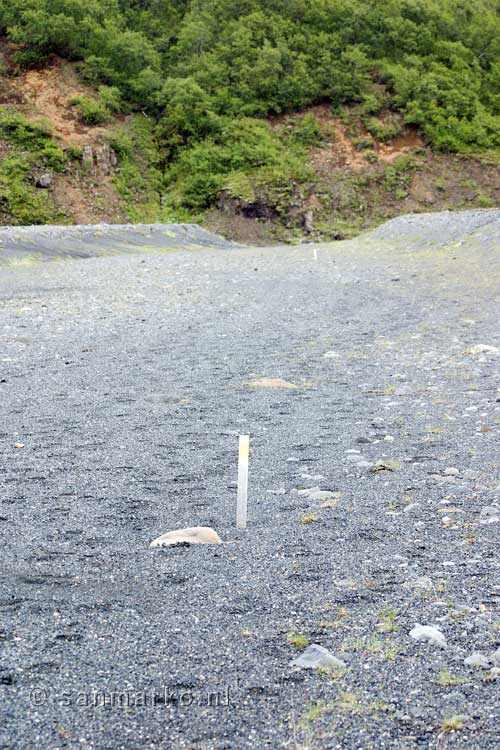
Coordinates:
244 446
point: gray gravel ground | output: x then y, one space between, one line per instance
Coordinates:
125 381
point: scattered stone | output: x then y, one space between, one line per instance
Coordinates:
402 390
422 583
451 472
412 507
329 505
389 439
317 656
364 465
191 535
315 493
447 522
454 701
381 467
308 222
271 383
484 349
489 514
428 633
477 660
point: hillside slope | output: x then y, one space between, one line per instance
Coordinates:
264 122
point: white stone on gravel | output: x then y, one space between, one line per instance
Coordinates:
402 390
307 491
477 660
484 349
190 535
428 633
317 656
330 354
451 471
412 507
489 514
322 495
422 583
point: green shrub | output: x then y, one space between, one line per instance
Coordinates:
73 152
138 180
246 154
404 163
382 130
484 201
363 144
307 131
373 104
90 111
111 99
33 138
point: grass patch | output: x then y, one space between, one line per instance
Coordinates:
297 640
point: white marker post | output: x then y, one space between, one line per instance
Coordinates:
241 502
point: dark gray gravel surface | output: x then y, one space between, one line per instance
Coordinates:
124 382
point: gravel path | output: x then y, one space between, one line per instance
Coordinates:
124 383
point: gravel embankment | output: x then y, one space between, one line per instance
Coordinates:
124 382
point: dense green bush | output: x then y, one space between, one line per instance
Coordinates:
243 148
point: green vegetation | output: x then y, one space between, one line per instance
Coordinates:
206 72
297 640
446 679
30 151
139 179
91 111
